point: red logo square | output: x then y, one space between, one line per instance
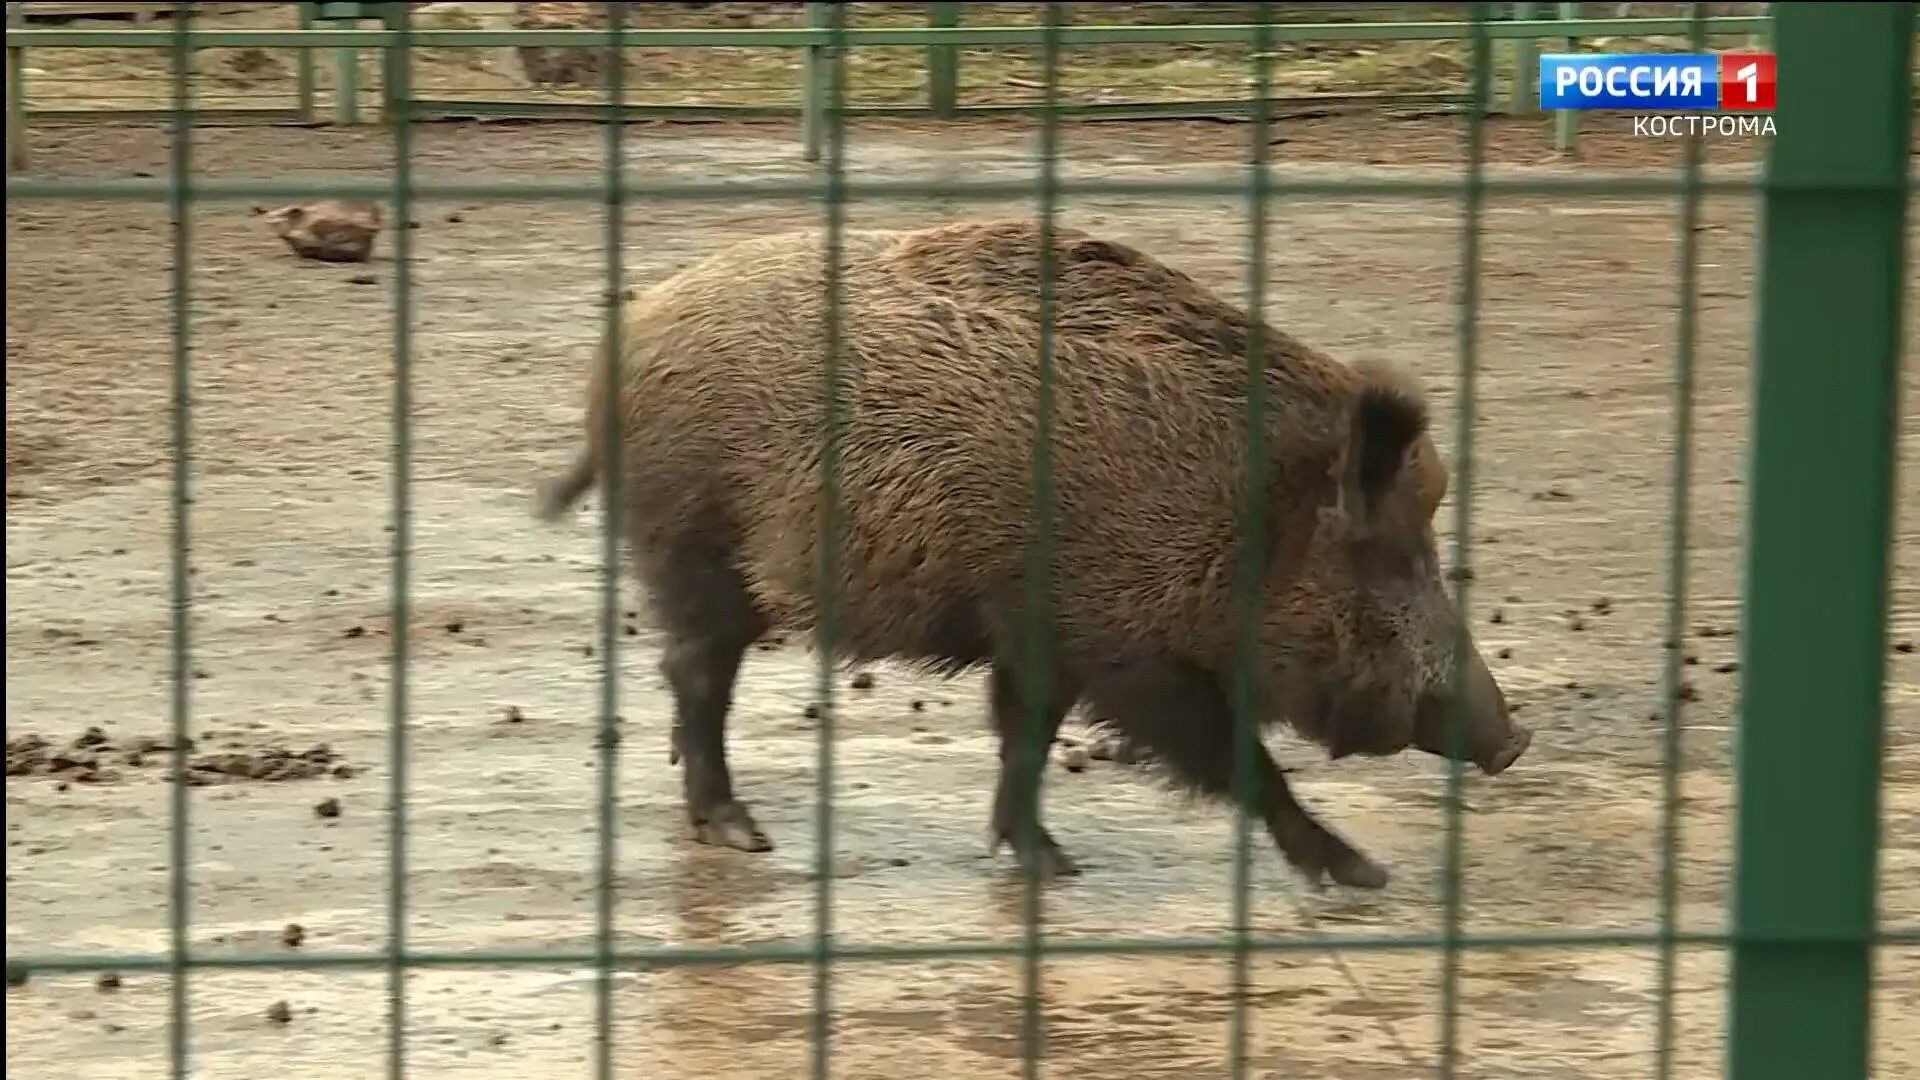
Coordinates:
1746 81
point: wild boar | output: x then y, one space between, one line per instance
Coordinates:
328 231
723 406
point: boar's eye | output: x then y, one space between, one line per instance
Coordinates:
1391 556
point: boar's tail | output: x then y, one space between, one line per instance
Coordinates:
558 494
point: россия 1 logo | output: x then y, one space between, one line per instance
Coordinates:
1741 82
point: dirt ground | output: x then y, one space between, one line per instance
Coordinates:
292 390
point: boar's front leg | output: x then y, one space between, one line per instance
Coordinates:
1023 757
1178 713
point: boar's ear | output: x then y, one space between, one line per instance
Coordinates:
1432 473
1388 420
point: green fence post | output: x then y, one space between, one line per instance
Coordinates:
1826 407
1526 61
16 99
303 69
346 66
396 72
1566 121
813 95
943 64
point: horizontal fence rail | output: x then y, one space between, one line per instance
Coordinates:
809 191
805 37
668 956
973 191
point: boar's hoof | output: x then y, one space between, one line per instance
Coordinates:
1510 753
1048 863
729 825
1357 871
1042 857
1326 856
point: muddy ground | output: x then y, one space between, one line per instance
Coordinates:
293 377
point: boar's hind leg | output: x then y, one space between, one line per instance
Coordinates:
1178 713
709 622
1023 757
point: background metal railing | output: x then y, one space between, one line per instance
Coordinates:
945 69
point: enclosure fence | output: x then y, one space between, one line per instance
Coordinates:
334 27
1832 205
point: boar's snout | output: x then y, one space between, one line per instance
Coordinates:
1492 740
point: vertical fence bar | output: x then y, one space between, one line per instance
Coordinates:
813 90
1566 122
179 581
1526 64
16 97
607 742
1247 705
1037 688
1676 619
827 602
943 64
303 69
1452 879
346 80
1825 424
399 106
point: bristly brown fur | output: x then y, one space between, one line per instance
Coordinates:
723 411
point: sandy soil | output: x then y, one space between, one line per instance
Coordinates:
293 375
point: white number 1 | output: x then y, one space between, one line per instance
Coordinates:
1751 76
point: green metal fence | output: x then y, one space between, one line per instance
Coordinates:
1833 205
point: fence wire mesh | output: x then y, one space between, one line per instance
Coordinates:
1834 206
